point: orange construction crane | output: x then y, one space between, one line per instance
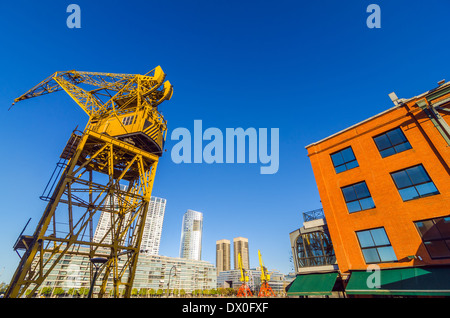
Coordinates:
244 290
265 290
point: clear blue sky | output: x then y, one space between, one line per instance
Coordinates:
308 68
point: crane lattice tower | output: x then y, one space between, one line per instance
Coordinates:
109 167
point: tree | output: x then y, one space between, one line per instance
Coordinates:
182 292
159 292
151 292
46 291
230 292
143 292
73 292
84 291
59 291
134 292
221 291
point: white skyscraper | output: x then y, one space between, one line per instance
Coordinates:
101 234
191 235
151 236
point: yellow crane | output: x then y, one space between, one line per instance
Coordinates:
265 290
244 290
105 171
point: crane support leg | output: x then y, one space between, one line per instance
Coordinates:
102 177
265 290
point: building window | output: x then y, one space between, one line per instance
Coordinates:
357 197
375 246
413 183
127 120
314 249
391 142
344 160
435 235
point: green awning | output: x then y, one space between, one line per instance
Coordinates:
417 281
312 284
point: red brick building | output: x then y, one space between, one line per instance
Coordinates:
384 184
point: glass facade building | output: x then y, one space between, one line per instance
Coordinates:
191 235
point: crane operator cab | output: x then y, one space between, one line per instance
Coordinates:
139 122
123 106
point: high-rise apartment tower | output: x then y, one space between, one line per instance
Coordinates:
151 237
240 245
223 257
152 230
191 235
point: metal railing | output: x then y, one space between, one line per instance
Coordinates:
313 215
